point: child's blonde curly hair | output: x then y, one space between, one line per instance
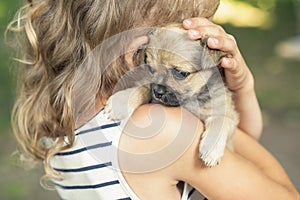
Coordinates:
56 36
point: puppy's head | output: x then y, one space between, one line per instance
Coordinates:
179 67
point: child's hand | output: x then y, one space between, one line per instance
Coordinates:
238 76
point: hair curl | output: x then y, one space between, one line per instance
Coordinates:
56 36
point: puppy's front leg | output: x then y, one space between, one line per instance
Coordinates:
214 139
121 104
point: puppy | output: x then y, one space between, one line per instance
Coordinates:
177 71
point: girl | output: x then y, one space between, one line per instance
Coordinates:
96 158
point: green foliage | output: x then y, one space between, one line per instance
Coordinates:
7 11
263 4
15 190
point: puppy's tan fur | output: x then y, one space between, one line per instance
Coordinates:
178 71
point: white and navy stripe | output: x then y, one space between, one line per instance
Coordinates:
90 168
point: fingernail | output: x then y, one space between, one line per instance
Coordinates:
194 33
227 61
187 22
214 41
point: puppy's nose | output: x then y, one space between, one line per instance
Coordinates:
158 90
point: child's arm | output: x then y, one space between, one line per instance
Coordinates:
239 79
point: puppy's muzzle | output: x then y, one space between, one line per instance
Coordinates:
161 94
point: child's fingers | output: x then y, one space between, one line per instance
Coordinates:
229 63
219 39
202 26
192 23
205 30
226 44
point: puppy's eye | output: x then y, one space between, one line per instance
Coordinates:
179 75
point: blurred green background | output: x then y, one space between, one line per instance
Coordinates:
268 34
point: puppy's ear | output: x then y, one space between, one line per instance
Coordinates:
140 56
210 57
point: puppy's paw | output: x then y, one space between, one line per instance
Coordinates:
211 152
211 158
120 105
117 106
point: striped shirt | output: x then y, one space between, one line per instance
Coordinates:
90 168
